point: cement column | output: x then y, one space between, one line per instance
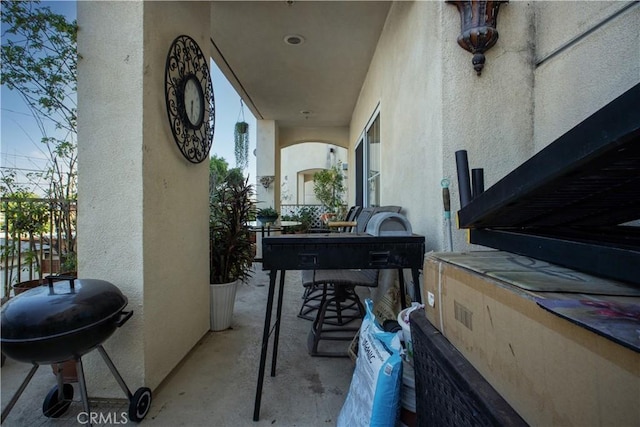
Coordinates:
266 156
142 207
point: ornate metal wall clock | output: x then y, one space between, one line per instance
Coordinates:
189 98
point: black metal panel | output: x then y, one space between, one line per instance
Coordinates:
589 176
620 262
341 250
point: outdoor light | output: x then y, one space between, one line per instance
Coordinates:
479 33
267 180
293 39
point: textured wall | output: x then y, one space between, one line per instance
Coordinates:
432 104
143 209
586 55
298 159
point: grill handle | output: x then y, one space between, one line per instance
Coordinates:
53 279
125 315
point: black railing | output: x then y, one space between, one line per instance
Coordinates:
313 214
38 239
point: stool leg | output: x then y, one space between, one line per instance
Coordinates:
316 328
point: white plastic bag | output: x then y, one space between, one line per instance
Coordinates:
374 395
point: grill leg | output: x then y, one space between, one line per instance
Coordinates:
115 372
60 381
14 399
83 387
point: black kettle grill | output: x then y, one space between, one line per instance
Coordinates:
63 321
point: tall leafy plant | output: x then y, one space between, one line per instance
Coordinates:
328 186
231 207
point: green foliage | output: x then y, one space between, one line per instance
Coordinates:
231 207
25 216
305 216
39 61
218 168
267 212
328 186
241 144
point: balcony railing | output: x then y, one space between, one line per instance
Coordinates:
38 239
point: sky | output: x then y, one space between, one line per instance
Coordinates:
20 145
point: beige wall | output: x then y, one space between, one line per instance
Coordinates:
143 212
267 163
432 104
597 59
338 135
305 158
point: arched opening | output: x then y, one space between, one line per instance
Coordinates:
298 164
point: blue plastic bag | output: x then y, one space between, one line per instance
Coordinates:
374 395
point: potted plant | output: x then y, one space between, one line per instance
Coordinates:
267 215
231 251
241 144
328 186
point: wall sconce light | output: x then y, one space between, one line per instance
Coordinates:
479 33
267 180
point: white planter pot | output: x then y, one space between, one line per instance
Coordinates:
223 297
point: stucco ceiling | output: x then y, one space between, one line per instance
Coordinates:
278 81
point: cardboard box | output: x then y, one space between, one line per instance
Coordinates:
550 370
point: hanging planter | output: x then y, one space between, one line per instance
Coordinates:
241 140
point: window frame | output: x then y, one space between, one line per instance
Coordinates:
363 162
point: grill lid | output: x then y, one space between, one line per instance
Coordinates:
59 308
388 224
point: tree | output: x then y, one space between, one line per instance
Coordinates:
218 168
39 61
328 186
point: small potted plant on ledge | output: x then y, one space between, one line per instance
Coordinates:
231 252
267 216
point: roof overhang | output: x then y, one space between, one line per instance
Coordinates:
315 83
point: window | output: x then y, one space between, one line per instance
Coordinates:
368 164
373 162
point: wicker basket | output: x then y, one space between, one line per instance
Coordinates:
449 391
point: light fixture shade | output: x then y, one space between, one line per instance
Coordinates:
479 33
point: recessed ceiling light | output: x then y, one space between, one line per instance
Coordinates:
293 39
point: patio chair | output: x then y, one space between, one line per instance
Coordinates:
313 294
346 225
332 294
340 308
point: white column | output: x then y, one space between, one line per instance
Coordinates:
266 157
142 207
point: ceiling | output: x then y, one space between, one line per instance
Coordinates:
312 84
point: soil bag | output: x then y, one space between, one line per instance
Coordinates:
374 395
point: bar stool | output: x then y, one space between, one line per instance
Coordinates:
314 293
339 311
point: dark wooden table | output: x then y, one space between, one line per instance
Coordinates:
332 251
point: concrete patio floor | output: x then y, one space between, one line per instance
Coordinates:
215 384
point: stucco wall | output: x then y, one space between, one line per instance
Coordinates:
587 54
299 158
143 208
338 135
433 104
266 158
